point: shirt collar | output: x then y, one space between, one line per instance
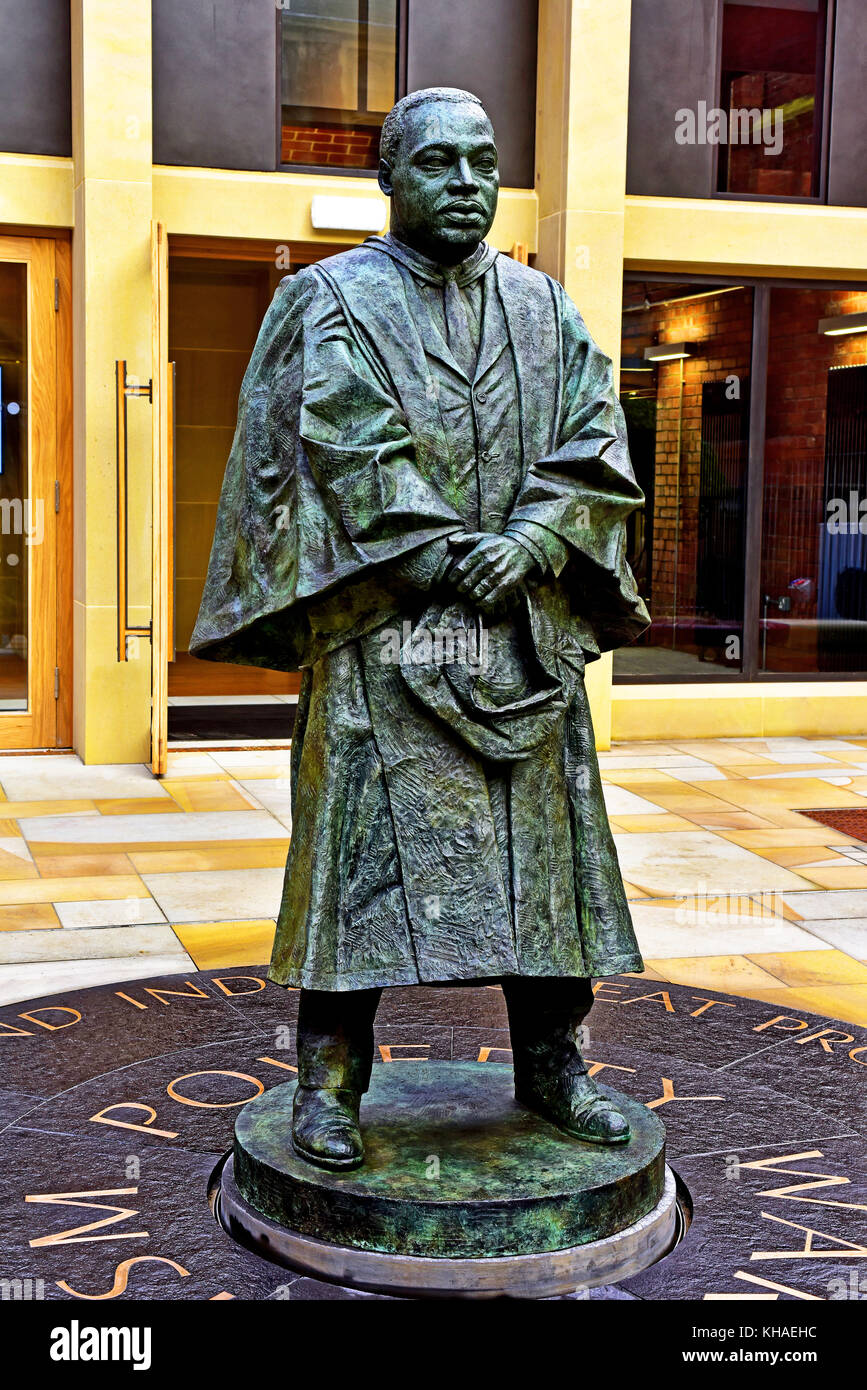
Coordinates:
473 268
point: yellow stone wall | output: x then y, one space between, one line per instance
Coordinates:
276 207
112 161
583 89
577 221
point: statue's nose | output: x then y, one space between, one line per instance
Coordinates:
464 175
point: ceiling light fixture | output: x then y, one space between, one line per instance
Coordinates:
843 323
667 352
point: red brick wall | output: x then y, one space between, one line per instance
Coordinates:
345 147
789 173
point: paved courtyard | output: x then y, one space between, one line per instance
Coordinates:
108 875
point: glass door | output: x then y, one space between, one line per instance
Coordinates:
31 489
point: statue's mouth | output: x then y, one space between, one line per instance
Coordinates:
464 210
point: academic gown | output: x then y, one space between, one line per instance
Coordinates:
447 825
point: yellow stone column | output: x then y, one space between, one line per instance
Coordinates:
581 122
112 156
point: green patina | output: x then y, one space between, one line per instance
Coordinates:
425 510
382 432
454 1167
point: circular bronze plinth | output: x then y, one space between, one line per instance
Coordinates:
548 1274
454 1170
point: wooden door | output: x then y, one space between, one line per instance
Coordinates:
35 493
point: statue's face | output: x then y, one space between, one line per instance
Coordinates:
445 180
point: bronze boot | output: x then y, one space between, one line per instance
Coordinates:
325 1128
572 1101
335 1054
551 1076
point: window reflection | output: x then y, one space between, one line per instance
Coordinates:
773 57
685 389
338 80
814 551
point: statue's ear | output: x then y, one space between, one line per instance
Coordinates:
385 182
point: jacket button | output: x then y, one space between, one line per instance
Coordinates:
481 397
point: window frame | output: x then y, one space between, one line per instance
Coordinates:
824 144
761 287
402 12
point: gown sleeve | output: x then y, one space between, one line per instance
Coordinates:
574 501
322 496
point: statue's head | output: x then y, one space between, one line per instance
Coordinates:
438 165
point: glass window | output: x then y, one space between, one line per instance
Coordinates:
338 80
690 388
814 535
773 63
685 389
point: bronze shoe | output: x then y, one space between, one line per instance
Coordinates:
574 1103
325 1128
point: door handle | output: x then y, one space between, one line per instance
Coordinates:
124 389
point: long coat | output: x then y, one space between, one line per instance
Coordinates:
443 829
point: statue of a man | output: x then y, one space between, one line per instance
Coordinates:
424 510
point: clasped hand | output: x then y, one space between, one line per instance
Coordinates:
493 566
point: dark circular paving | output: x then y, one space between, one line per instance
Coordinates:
117 1105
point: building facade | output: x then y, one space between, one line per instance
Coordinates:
693 171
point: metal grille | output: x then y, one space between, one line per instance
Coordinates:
842 580
849 822
722 500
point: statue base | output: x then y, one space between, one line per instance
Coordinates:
463 1192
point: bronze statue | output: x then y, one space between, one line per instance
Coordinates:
424 510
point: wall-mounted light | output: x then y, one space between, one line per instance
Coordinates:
843 323
635 364
668 352
348 214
